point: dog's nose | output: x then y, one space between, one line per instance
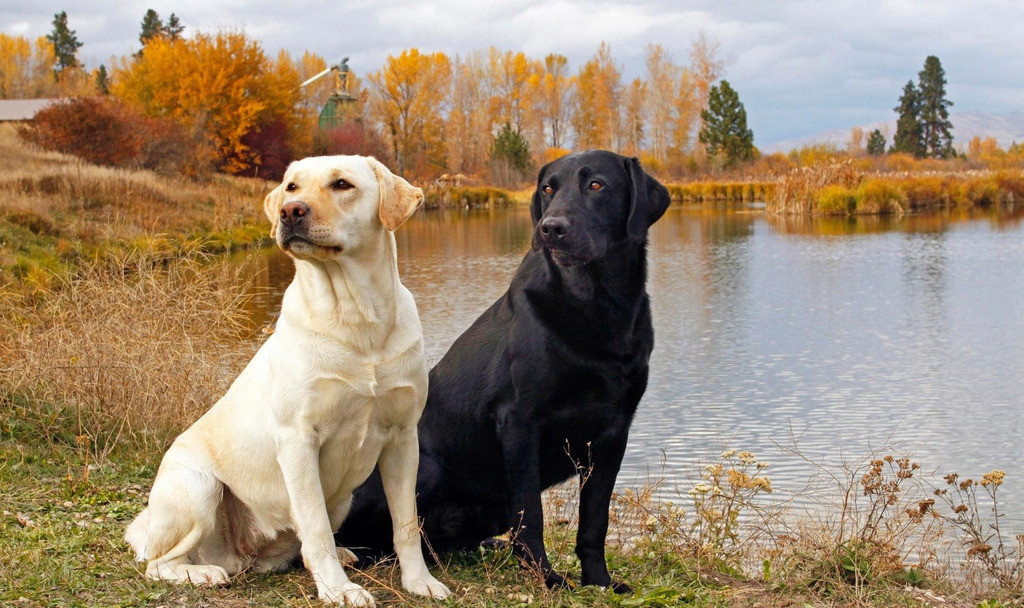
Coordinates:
293 212
553 229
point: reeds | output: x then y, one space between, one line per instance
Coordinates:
712 192
844 188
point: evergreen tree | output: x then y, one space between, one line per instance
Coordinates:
152 27
908 138
937 141
174 28
725 134
876 143
65 44
510 156
102 80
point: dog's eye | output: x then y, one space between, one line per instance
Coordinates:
291 187
341 185
595 185
546 189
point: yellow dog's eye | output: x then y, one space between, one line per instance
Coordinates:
595 185
291 187
341 185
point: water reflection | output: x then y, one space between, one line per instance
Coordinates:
837 337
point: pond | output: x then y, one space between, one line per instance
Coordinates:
812 344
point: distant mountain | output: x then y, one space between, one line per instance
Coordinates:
1006 128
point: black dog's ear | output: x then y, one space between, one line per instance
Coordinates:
649 201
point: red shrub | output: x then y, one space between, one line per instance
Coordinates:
105 131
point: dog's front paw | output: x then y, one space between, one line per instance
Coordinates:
620 587
554 580
426 585
348 594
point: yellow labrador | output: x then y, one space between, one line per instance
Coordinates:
269 470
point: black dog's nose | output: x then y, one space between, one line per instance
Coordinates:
553 229
293 212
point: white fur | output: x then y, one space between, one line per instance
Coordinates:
269 470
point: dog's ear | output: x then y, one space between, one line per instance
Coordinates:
649 201
272 207
398 198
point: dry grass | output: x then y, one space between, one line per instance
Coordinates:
710 192
57 212
845 188
123 354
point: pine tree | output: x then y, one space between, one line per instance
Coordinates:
876 143
937 141
725 133
174 28
102 80
65 44
152 27
908 138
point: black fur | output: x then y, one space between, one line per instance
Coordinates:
544 385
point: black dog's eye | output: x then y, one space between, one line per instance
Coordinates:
595 185
291 187
341 185
546 189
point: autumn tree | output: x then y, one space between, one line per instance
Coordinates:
706 65
554 97
596 120
221 86
933 109
725 134
634 117
909 135
468 128
876 143
65 44
25 68
855 145
511 75
408 99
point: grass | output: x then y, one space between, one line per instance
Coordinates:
844 188
59 212
712 192
117 335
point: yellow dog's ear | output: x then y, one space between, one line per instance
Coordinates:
398 198
272 207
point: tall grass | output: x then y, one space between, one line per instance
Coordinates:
844 188
122 354
710 192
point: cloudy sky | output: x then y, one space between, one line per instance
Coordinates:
800 67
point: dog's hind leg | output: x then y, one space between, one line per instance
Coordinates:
182 514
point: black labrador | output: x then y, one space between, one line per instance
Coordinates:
544 385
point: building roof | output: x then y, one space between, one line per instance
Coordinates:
21 109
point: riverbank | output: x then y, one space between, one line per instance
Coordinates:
101 376
842 188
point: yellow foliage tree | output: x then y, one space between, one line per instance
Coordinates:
26 68
468 128
222 86
598 102
554 93
408 96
